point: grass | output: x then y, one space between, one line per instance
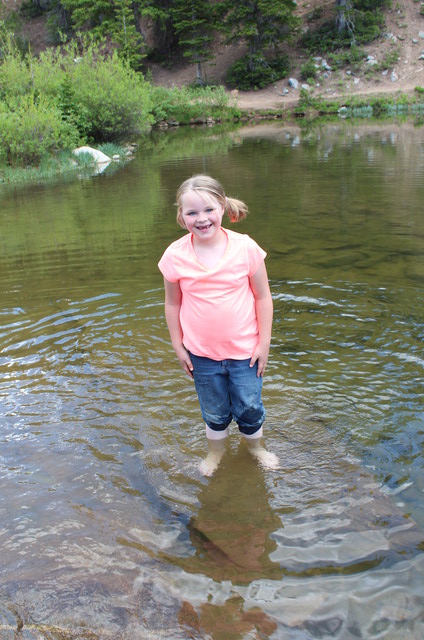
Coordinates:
60 165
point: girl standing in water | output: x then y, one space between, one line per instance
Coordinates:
218 309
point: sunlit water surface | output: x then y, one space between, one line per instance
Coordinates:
105 522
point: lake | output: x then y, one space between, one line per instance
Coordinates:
107 528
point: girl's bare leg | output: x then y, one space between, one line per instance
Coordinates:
217 441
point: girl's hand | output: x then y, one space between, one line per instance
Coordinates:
184 358
260 356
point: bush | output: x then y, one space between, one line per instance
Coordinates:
352 57
308 70
368 26
48 72
255 72
188 103
30 129
116 100
15 77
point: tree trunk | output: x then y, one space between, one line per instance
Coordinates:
344 20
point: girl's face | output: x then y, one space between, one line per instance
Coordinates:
201 216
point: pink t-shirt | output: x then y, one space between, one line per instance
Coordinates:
217 316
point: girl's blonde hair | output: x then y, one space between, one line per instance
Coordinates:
210 188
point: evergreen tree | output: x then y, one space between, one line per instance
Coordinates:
165 38
262 24
95 14
195 25
126 33
344 16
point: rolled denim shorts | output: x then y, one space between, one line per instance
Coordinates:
229 390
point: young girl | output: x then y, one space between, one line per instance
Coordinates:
218 309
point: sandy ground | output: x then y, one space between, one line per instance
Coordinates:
404 33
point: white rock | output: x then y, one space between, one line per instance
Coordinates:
98 156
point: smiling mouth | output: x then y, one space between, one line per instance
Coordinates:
204 227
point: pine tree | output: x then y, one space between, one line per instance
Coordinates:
126 34
165 38
344 16
195 25
262 24
95 14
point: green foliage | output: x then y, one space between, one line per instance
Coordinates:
370 5
30 128
389 60
187 104
114 19
47 72
15 77
12 37
130 42
97 15
308 70
12 47
195 24
58 99
256 72
73 111
115 99
111 149
352 57
419 90
31 9
263 24
368 22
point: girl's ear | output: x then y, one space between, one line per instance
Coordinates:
180 218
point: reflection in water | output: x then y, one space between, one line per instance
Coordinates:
231 531
105 521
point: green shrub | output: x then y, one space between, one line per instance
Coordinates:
76 114
31 128
368 25
115 98
352 57
188 103
256 72
308 70
15 77
48 72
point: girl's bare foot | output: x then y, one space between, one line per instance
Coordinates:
209 465
267 459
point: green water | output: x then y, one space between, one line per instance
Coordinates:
104 518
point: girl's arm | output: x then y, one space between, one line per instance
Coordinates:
172 315
264 310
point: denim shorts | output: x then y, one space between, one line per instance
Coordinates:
229 390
